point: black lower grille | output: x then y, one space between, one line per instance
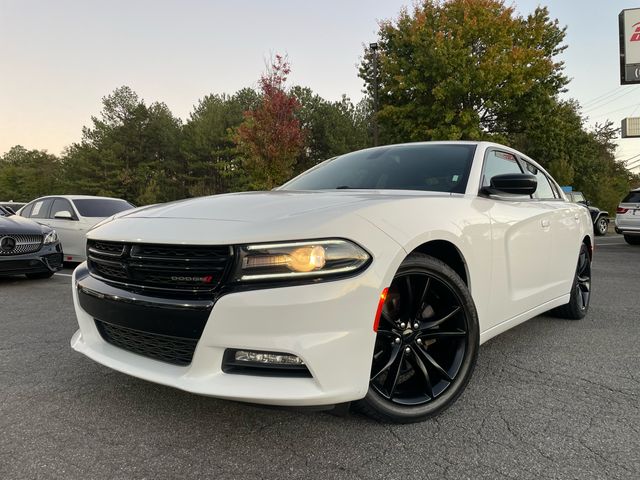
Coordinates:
175 350
187 270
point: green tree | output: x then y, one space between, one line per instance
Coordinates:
458 69
28 174
208 144
332 128
131 151
270 138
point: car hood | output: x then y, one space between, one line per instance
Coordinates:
273 206
19 225
254 216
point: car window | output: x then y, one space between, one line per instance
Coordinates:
26 211
578 197
59 205
437 168
498 163
633 197
101 207
544 190
41 208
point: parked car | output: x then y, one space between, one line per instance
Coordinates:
27 247
372 277
13 207
73 216
599 217
628 217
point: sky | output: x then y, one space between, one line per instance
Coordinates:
58 59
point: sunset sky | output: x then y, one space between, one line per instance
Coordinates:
60 58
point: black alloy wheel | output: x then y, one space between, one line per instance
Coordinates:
427 343
580 298
601 226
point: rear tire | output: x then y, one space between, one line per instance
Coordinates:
427 344
601 226
632 239
578 305
39 276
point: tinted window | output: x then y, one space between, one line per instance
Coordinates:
498 163
544 190
633 197
438 168
41 208
59 205
100 207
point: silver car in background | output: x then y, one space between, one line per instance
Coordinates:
72 216
628 217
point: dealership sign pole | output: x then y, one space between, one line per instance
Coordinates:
629 22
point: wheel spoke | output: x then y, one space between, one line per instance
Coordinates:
392 358
391 381
409 306
386 333
423 369
428 358
443 334
435 323
423 297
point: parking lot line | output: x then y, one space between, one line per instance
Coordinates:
63 274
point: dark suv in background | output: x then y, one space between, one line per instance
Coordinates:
600 218
628 217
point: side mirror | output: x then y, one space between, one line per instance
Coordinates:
514 183
63 215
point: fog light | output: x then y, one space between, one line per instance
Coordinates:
266 358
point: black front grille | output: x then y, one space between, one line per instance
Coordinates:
179 269
175 350
19 244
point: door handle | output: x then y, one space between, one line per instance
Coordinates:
545 223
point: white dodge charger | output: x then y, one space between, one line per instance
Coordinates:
372 278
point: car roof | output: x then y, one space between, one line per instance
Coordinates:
77 197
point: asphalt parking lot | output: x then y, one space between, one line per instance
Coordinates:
549 399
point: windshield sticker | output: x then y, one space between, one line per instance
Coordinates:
36 208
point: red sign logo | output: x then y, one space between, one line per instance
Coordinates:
636 35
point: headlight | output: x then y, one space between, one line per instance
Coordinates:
305 259
51 237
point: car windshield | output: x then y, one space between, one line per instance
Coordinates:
436 168
100 207
633 197
4 212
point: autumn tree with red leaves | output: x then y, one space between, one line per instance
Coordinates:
271 138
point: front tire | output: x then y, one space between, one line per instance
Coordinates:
632 239
578 305
601 226
427 343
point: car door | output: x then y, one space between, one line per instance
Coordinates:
521 242
565 231
69 231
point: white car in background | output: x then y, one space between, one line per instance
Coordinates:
72 216
372 277
628 217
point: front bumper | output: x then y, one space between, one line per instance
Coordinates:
47 259
328 325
